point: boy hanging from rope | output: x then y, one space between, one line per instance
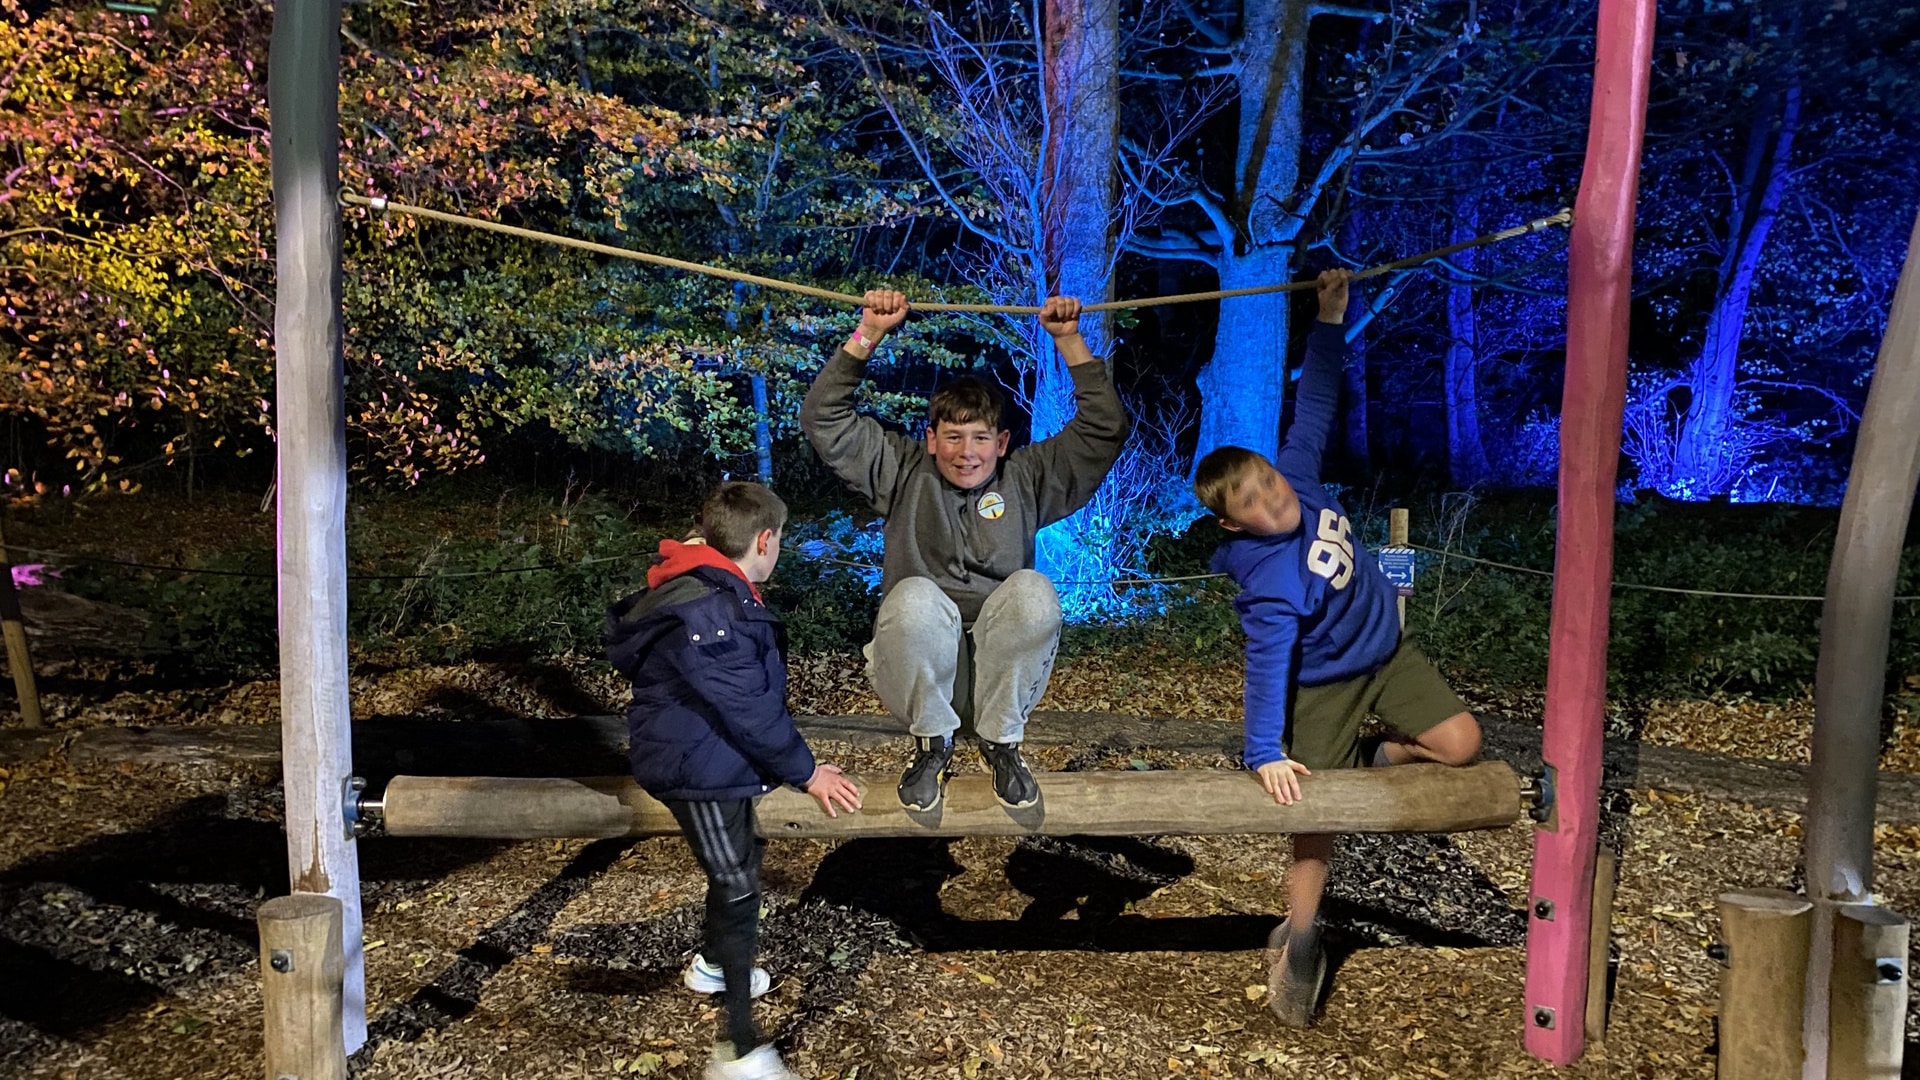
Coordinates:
958 588
1324 646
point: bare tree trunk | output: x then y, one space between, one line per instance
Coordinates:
1466 455
1083 141
1701 462
1079 195
1241 388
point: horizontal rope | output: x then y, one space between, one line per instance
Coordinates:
1117 583
267 574
1635 585
383 205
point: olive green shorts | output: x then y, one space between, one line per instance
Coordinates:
1407 693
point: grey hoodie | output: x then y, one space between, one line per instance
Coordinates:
967 542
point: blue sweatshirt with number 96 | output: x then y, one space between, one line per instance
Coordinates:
1313 602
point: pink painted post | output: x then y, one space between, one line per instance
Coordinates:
1600 272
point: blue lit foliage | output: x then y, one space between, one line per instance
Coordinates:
1146 495
1777 194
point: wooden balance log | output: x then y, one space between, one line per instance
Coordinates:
1189 802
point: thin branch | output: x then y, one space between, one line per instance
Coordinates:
1203 25
1342 9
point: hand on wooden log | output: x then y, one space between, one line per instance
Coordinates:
829 785
1282 780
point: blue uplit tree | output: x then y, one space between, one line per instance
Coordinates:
1014 121
1427 72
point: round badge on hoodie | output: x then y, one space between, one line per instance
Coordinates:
992 506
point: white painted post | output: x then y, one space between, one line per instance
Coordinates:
310 420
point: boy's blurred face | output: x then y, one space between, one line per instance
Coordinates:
1261 503
966 453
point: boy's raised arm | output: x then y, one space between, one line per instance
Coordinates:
1318 398
855 447
1073 462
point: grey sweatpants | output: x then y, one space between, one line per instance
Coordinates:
919 656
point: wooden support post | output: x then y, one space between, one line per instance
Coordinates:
1600 946
1766 933
1850 681
303 90
302 970
13 627
1867 1018
1397 529
1599 289
1410 798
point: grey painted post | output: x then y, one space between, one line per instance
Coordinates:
309 414
1851 679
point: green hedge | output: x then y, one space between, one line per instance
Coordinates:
1479 622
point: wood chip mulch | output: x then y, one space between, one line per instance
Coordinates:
127 899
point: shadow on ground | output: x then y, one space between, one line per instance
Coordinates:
107 928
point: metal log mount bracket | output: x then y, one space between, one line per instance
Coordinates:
1539 792
359 811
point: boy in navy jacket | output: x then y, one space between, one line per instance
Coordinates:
709 732
1324 647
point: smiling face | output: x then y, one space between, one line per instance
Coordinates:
966 454
1261 503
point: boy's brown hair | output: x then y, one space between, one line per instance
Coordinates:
1219 473
966 401
736 512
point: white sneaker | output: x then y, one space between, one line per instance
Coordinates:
703 978
762 1064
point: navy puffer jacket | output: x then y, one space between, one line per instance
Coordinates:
709 717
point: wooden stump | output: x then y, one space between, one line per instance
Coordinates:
302 979
1763 989
1866 1034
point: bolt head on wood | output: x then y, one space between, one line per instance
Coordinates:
281 961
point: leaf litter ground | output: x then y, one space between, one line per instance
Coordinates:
126 901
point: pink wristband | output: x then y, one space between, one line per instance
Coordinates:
861 340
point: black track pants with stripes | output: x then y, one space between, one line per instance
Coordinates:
723 839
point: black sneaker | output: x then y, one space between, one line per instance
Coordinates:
1012 783
925 781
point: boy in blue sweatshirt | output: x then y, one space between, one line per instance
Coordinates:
709 732
1324 647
